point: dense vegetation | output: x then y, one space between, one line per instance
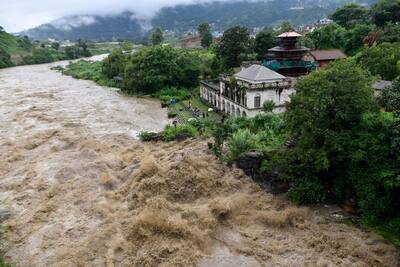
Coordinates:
250 14
20 50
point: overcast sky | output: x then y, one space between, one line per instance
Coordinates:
17 15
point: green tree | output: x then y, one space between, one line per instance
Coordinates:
55 45
114 65
374 167
157 36
350 15
321 119
355 37
234 46
265 40
5 59
391 97
204 30
330 36
383 60
386 11
158 67
391 33
286 26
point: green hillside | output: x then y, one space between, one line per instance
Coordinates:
12 49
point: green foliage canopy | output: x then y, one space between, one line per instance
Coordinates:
204 30
350 15
383 60
234 45
155 68
321 118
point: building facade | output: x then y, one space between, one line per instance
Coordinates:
243 94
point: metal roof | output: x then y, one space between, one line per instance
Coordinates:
380 85
289 34
258 74
330 54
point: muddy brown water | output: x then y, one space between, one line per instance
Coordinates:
81 190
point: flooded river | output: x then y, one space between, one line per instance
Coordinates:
78 189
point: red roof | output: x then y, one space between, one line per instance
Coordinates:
332 54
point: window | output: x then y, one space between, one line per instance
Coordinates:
257 101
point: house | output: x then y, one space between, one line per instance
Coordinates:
244 93
324 57
378 86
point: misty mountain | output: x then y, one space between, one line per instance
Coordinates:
90 27
182 18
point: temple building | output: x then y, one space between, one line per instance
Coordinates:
244 93
288 58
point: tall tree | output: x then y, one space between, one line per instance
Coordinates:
330 36
157 36
350 15
386 11
286 26
265 40
321 118
383 60
204 30
234 46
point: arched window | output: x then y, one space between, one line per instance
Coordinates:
238 112
244 114
257 101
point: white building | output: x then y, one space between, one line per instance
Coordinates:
245 93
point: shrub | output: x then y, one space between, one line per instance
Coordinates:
5 59
172 114
240 142
149 136
307 192
268 106
171 132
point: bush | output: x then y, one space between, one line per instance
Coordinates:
43 55
114 65
172 114
241 141
307 192
149 136
5 59
171 132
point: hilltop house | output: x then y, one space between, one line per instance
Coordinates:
244 93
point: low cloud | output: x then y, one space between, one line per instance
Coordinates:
20 15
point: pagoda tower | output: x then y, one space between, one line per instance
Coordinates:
287 58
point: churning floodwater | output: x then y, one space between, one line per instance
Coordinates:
78 189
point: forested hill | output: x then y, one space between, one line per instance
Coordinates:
183 18
251 14
91 27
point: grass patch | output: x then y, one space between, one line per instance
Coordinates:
86 70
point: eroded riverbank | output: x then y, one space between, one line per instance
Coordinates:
83 192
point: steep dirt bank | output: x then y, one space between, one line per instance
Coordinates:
83 192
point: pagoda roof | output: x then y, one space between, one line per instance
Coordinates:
289 34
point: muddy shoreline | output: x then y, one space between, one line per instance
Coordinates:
81 190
